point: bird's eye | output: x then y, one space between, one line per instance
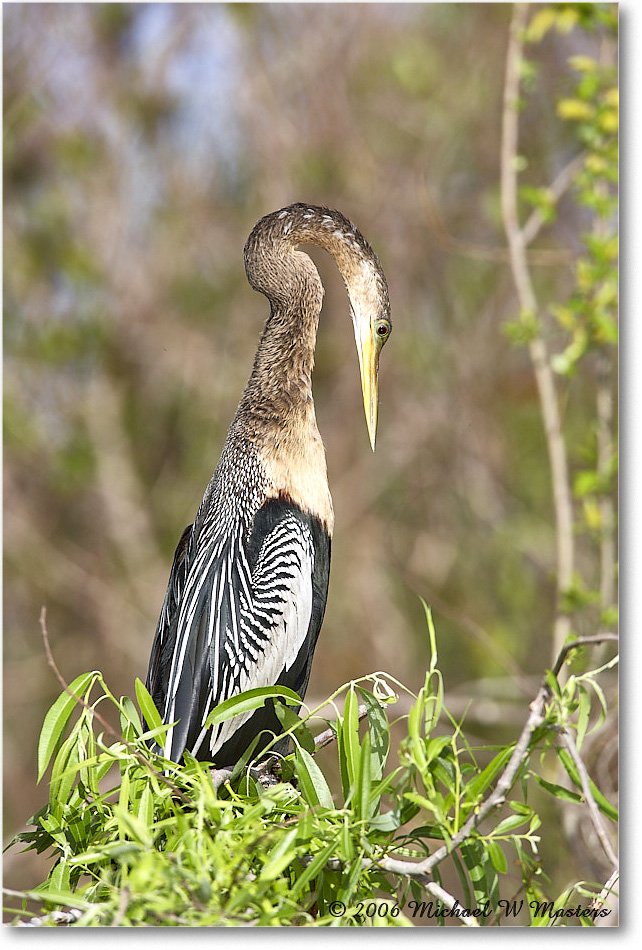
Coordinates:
383 329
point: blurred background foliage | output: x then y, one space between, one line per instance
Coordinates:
141 143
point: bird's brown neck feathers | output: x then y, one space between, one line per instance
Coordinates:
276 411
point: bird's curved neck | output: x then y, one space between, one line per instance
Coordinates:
279 391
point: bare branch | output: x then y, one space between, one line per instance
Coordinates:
558 187
528 305
541 257
607 891
594 811
481 252
451 903
581 642
123 901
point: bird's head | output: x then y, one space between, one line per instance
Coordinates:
370 308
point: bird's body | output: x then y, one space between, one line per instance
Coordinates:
248 586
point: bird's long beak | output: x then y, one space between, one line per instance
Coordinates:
368 351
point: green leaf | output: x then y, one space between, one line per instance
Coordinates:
564 794
57 718
434 747
583 711
280 856
318 862
147 706
388 822
508 823
248 701
481 782
293 723
431 635
497 856
64 898
482 872
129 718
350 734
379 733
364 781
415 719
52 827
146 806
132 826
65 770
602 803
312 781
343 763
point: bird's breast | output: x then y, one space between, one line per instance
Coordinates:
294 463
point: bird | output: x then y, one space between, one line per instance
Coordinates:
248 585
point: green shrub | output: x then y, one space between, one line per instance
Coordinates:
139 840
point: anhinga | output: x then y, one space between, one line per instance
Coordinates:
248 585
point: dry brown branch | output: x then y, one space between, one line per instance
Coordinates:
528 305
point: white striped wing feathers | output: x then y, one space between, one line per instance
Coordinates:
256 622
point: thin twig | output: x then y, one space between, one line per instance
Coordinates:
534 224
123 901
591 804
483 252
581 642
607 891
528 304
561 183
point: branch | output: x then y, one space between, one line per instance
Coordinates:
594 811
482 252
561 183
221 776
59 918
607 891
581 642
506 779
528 305
451 903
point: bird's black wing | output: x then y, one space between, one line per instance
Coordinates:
165 638
249 616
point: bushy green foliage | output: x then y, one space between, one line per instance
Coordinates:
139 840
